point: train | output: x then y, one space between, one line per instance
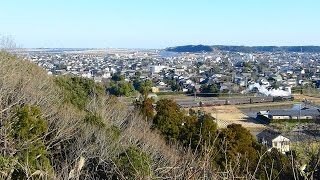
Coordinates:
248 100
235 101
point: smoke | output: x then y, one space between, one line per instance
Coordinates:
272 92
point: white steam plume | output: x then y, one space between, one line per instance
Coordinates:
272 92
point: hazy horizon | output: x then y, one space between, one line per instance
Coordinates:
164 47
158 24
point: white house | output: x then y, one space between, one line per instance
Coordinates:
106 75
157 69
281 143
273 139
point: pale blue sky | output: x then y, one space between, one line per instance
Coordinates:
160 23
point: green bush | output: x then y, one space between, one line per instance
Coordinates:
135 164
113 132
235 140
188 135
28 124
94 119
78 90
28 132
207 129
168 119
209 89
7 166
121 88
279 164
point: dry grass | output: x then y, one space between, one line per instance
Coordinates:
70 140
230 114
301 97
270 104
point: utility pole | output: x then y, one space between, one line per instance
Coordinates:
299 116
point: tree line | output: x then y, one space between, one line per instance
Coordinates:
228 149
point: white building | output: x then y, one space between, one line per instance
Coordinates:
157 69
273 139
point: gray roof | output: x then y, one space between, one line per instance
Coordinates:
306 112
268 134
304 135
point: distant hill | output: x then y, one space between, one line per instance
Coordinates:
190 48
205 48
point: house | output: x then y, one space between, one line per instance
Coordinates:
97 79
273 139
158 89
154 89
291 82
156 69
290 114
248 75
179 71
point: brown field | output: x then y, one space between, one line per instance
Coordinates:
230 114
312 99
269 104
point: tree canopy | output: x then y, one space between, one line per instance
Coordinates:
209 89
121 88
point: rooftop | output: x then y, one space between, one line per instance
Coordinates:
289 112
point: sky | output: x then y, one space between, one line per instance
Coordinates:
159 23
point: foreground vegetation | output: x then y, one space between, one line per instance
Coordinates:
69 128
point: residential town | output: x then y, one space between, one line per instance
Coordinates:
160 90
263 75
231 72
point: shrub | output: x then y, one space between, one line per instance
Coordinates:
145 106
7 166
78 90
28 132
168 119
94 119
135 164
121 88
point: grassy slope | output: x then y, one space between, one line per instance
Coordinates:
74 136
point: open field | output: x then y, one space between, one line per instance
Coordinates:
312 99
230 114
